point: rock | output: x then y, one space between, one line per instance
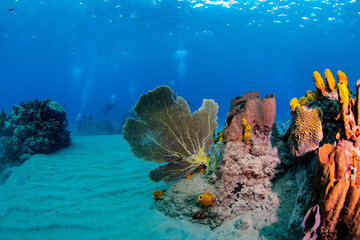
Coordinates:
86 126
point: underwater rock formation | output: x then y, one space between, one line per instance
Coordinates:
33 127
245 187
168 132
258 112
86 126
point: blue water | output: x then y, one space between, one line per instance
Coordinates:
79 53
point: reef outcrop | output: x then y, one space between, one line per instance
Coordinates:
261 186
33 127
87 126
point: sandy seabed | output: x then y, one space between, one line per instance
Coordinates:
94 189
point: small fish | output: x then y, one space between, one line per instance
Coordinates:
285 123
11 9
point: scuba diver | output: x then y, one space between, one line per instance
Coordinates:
108 106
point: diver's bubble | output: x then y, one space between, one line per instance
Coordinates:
78 116
132 89
77 73
181 53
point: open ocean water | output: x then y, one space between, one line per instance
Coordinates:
84 54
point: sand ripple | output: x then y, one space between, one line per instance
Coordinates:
95 189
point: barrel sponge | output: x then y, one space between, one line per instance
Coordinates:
306 131
329 81
343 92
319 82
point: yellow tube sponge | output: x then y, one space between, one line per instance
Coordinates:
342 78
329 81
319 82
293 102
247 129
246 138
243 122
343 92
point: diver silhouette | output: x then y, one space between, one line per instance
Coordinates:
108 106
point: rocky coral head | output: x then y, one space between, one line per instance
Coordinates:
168 132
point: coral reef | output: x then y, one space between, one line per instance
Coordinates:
305 131
336 185
33 127
168 132
304 182
258 112
86 126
